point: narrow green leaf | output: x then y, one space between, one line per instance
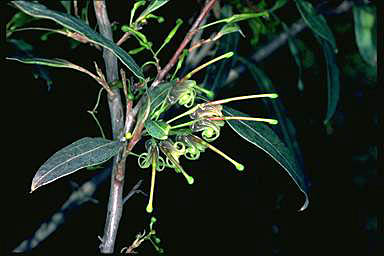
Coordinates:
153 6
135 7
295 53
264 138
80 154
59 63
18 20
77 25
180 62
285 129
237 18
316 22
138 35
170 35
366 32
227 29
333 80
137 50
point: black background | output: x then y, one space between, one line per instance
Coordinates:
224 211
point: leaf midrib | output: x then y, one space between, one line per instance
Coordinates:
70 159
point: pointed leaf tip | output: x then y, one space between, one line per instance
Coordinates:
82 153
264 138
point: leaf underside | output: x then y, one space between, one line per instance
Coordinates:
77 25
264 138
80 154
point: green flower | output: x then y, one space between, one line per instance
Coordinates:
193 149
183 93
210 128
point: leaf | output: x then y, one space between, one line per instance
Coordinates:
77 25
80 154
18 20
141 38
316 22
264 138
25 49
333 81
170 35
366 32
153 6
60 63
229 28
295 53
237 17
285 129
134 8
158 96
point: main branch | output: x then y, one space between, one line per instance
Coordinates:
115 203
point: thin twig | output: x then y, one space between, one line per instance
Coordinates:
134 190
124 38
193 30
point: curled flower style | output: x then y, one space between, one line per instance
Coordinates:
183 93
171 149
145 159
193 149
210 128
205 111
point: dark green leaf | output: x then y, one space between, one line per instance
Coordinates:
158 96
77 25
264 138
295 53
153 6
316 22
285 129
366 32
80 154
333 81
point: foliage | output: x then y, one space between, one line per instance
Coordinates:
176 118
